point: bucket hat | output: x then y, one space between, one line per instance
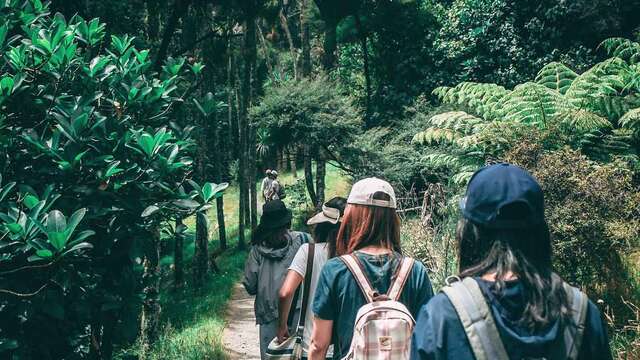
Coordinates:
274 215
328 214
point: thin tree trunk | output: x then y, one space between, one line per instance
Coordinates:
304 37
265 51
231 86
367 75
330 45
150 318
321 171
285 27
153 20
201 255
180 7
292 159
308 174
178 262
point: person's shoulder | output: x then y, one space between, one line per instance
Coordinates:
302 236
334 265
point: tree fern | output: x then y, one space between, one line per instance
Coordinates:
594 88
556 76
480 98
447 128
532 103
583 120
631 120
622 48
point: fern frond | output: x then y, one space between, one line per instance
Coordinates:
631 120
532 103
556 76
583 120
480 98
604 80
622 48
447 128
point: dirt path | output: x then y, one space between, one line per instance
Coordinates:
240 336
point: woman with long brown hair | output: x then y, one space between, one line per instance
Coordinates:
506 276
370 231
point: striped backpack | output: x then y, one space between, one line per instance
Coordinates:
478 323
383 325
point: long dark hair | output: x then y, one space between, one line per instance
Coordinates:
273 238
527 254
326 231
365 225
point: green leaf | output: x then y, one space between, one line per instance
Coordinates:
56 222
74 220
14 228
187 204
8 344
30 201
147 144
57 239
150 210
44 253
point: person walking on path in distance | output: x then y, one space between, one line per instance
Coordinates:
370 231
265 187
507 302
274 247
326 225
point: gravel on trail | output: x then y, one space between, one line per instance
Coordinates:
241 336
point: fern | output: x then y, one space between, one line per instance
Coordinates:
583 120
594 89
447 128
556 76
631 120
532 103
480 98
622 48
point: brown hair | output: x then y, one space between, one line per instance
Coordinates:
365 225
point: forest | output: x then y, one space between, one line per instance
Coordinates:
134 136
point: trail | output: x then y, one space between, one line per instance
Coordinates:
240 336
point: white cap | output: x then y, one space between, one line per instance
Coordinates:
328 214
362 193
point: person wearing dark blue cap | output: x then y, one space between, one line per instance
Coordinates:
507 303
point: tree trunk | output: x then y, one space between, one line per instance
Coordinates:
304 37
153 20
265 51
231 86
292 160
330 45
201 255
249 50
178 262
308 174
285 27
180 7
321 171
150 318
367 75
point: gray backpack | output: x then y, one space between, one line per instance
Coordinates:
483 335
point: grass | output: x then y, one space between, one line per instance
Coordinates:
193 320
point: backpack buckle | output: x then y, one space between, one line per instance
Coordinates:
452 279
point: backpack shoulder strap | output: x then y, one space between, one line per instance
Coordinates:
306 286
573 332
400 279
477 320
355 267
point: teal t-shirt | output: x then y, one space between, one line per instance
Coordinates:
338 296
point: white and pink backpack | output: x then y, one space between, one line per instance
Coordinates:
384 325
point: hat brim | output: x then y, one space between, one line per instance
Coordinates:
321 218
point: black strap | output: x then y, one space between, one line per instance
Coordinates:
307 284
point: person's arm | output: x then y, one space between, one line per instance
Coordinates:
320 338
287 291
251 268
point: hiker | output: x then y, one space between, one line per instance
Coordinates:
273 190
368 244
274 246
505 262
306 266
265 187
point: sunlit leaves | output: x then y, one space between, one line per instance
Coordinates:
556 76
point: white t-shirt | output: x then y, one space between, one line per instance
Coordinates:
299 265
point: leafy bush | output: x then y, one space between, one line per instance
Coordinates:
83 132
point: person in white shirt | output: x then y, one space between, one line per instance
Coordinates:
326 226
265 187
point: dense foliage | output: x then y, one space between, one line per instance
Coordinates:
87 132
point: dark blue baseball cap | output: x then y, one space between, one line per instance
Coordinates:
503 196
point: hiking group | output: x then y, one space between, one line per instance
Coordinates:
359 295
